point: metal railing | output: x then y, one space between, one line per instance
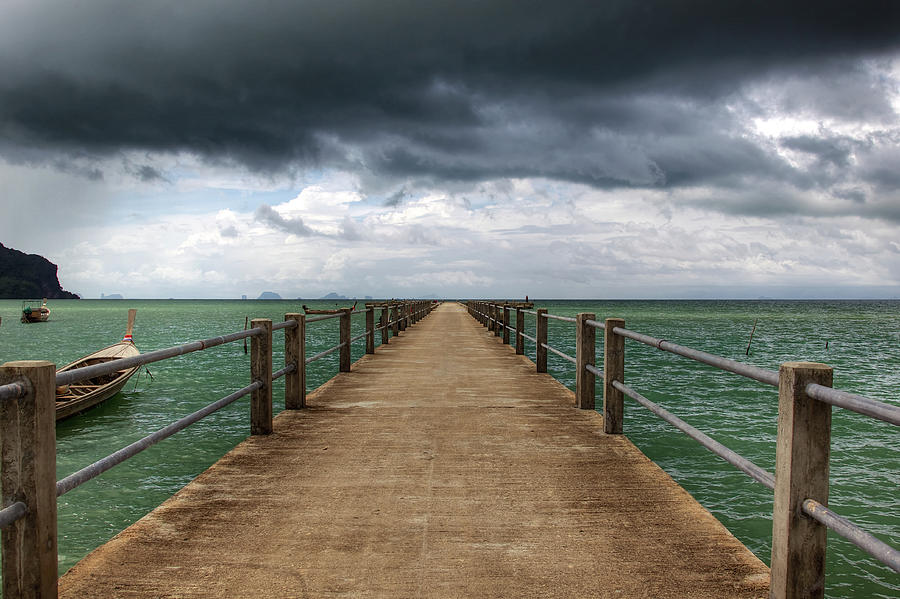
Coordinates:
802 387
27 423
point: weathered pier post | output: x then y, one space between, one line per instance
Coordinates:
520 328
613 370
28 475
585 353
295 353
395 319
383 323
370 330
261 370
541 336
498 323
506 324
404 315
345 340
802 453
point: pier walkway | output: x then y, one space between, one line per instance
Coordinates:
441 466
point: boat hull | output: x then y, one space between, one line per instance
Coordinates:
40 315
82 395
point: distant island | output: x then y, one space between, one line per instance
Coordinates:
334 296
29 276
112 296
269 295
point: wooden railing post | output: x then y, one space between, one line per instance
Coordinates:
345 340
395 318
295 353
261 370
383 323
498 320
585 353
370 330
506 324
541 336
404 315
28 473
802 453
520 328
613 370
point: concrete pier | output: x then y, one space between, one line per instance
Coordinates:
442 465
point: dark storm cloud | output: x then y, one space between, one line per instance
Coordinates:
294 226
613 93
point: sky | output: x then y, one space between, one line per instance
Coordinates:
394 148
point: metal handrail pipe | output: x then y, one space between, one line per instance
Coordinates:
322 317
324 353
591 368
114 459
595 323
875 547
86 372
760 475
287 324
532 312
770 377
358 337
560 354
14 390
12 513
286 370
855 403
562 318
530 338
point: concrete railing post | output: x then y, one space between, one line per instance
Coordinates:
585 353
261 370
383 323
295 353
802 454
370 330
505 325
541 336
28 475
345 340
520 328
613 370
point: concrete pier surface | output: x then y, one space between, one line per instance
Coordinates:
441 466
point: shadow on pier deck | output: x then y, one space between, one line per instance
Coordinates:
441 466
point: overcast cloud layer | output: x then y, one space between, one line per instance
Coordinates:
564 149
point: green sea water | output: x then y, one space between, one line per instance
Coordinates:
863 346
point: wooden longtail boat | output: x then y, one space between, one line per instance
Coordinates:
35 311
78 397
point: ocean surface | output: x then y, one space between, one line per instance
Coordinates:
860 339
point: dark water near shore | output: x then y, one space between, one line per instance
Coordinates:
863 347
